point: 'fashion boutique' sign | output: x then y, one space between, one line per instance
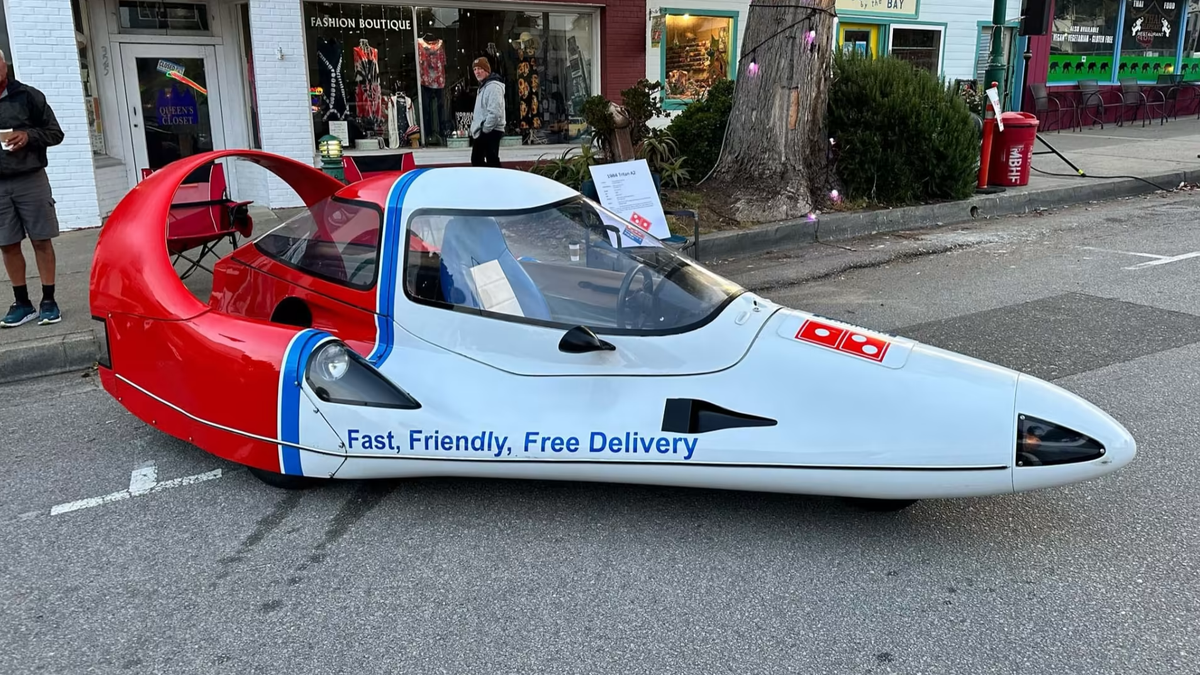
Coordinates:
359 23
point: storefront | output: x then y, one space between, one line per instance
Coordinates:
402 74
139 84
1113 40
692 43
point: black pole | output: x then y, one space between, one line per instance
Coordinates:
1025 83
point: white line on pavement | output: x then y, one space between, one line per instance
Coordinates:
143 480
1109 250
1164 261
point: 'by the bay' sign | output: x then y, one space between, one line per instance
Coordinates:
888 8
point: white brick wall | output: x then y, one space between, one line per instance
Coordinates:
42 37
282 88
112 182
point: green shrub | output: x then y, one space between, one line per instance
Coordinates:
642 104
902 136
596 114
569 170
699 129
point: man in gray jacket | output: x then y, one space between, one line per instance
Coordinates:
487 124
26 201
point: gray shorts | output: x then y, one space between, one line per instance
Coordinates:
27 209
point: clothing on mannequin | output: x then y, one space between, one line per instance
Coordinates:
329 54
433 63
368 97
432 68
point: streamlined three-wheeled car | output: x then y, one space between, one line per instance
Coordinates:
492 323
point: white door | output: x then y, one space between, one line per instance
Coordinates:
173 103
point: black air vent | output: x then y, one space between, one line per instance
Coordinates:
690 416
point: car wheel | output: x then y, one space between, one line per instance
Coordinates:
883 505
286 482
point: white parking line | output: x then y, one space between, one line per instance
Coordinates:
142 481
1164 261
1157 259
1109 250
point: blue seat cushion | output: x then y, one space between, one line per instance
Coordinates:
470 241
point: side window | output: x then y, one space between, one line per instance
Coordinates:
568 265
335 240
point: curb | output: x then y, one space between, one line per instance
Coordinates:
839 226
41 357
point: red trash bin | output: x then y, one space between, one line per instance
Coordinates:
1012 150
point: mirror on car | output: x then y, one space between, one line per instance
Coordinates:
580 340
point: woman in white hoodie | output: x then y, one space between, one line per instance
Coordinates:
487 124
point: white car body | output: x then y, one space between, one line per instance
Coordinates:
844 411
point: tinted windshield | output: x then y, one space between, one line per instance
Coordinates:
573 264
336 240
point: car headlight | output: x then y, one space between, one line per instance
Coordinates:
338 375
332 362
1042 443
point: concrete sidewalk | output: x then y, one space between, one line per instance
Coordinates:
72 345
1126 157
1166 155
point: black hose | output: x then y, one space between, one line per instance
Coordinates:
1084 175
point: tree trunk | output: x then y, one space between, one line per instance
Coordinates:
773 165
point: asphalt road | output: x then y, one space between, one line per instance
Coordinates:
219 573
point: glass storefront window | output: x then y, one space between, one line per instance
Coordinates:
1151 38
362 61
147 16
1083 38
698 53
921 47
405 72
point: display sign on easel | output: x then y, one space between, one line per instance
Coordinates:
627 189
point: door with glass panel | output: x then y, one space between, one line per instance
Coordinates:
173 103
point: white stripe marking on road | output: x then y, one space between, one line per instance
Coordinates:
143 480
1109 250
1164 261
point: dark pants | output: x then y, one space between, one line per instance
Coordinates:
486 149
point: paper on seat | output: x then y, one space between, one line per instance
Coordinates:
493 290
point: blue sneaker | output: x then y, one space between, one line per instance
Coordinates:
49 313
18 314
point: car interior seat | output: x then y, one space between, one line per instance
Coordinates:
474 240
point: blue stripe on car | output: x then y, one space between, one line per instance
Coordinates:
389 260
294 362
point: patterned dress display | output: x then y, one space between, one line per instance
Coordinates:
333 86
368 97
529 117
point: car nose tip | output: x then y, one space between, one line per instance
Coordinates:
1063 438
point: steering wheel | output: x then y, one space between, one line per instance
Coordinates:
622 295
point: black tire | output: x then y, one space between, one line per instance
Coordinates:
286 482
883 505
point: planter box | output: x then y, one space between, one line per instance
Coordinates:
510 141
458 142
